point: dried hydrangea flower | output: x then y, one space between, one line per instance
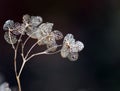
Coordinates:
5 87
35 20
7 38
12 27
9 24
45 28
71 48
33 27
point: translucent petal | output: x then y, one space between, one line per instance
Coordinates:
26 19
31 31
45 28
9 24
5 87
49 39
22 29
52 47
73 56
58 34
73 48
7 38
41 43
16 28
64 52
69 39
36 20
79 45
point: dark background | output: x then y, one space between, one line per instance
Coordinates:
94 22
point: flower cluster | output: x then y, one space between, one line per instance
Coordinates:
71 48
33 27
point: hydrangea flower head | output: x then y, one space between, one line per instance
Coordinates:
71 48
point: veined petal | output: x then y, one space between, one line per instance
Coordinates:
45 28
64 51
79 45
52 46
26 19
9 24
36 20
73 56
7 38
58 35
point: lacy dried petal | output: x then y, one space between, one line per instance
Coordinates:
79 45
73 48
45 28
9 24
64 51
41 43
16 28
26 19
58 35
73 56
7 38
22 29
31 31
52 46
36 20
69 39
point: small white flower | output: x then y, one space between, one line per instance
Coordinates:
71 48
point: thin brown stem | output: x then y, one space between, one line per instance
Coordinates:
44 52
23 64
19 84
36 54
34 46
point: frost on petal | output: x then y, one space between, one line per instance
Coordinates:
58 35
73 56
36 20
64 51
5 87
7 38
45 28
79 45
26 19
9 24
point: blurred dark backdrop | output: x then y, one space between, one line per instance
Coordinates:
94 22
